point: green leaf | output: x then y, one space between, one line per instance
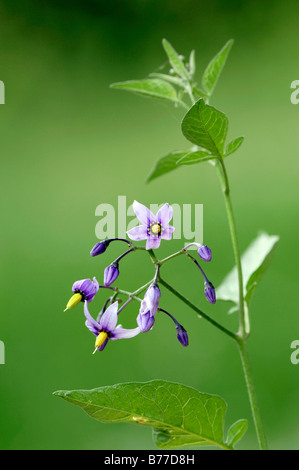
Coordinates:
206 126
195 157
153 88
214 68
168 78
233 146
166 164
236 432
175 60
254 261
179 415
173 160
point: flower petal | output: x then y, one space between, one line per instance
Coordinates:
167 232
153 243
164 215
122 333
145 216
138 233
91 324
91 328
109 318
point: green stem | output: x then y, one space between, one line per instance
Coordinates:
243 331
178 253
232 226
197 310
252 395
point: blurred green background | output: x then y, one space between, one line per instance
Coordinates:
69 143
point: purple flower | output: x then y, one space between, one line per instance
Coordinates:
105 329
84 290
210 292
148 308
111 274
205 253
153 227
100 248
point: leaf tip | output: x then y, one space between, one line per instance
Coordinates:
59 393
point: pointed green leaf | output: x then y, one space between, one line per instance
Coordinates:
236 432
179 415
175 60
167 163
153 88
214 69
254 261
206 127
175 159
199 92
168 78
195 157
233 146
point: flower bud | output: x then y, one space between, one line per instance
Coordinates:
182 335
210 292
152 297
145 321
205 253
99 248
111 274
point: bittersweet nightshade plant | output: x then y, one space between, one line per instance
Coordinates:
154 227
84 290
148 308
179 415
105 328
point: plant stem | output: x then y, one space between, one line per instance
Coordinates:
197 310
252 395
232 226
243 332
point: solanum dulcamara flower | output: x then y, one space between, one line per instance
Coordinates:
148 308
154 227
105 328
84 290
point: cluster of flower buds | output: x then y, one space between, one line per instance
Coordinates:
105 328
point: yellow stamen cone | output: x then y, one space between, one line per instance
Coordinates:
73 301
101 338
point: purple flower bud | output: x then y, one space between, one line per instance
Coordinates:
205 253
210 292
99 248
152 297
182 335
111 274
145 321
148 308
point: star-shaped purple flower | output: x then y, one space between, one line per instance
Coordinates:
154 227
105 329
